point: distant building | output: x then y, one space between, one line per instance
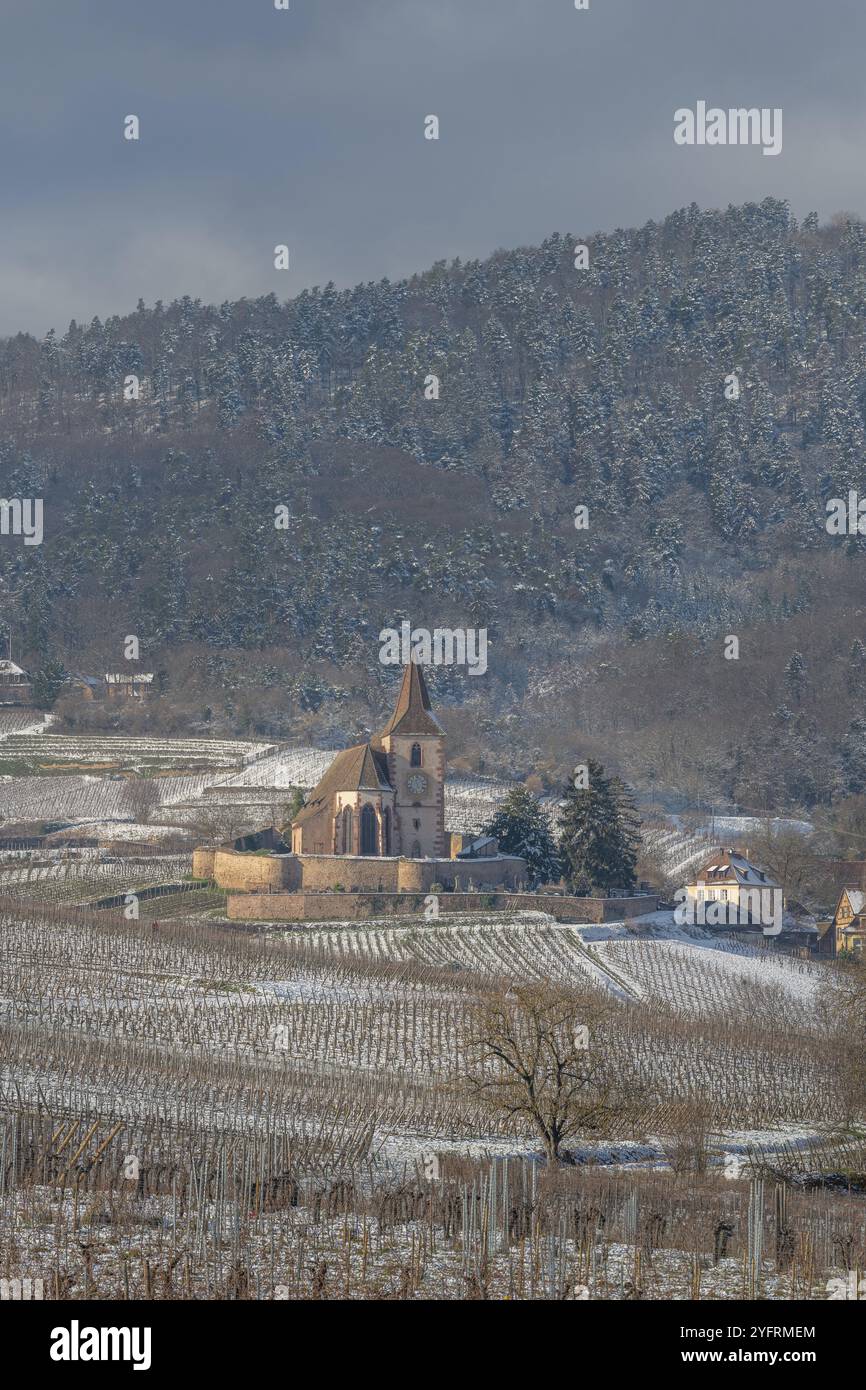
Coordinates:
730 880
137 686
85 687
847 929
15 685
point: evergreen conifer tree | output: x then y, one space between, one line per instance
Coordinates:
600 832
522 828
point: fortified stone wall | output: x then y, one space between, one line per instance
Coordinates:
251 873
203 863
336 907
325 871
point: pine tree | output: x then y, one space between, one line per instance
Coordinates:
852 763
522 828
47 684
600 832
796 677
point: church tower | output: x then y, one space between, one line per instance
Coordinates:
414 743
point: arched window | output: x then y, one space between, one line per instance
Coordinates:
415 760
416 850
386 831
368 830
347 831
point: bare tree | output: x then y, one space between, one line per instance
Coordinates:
218 824
539 1053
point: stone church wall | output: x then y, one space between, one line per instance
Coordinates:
252 873
203 863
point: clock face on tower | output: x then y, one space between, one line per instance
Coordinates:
417 783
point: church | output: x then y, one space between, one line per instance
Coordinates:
374 825
386 797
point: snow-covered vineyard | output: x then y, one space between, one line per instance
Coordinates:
269 1088
242 785
195 781
80 798
139 753
252 1113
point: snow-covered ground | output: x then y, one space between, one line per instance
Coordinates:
23 721
754 825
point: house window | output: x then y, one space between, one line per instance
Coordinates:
415 759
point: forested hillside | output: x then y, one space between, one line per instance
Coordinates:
560 387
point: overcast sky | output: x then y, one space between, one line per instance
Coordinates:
306 127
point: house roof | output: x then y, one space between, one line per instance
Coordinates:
362 768
413 713
8 668
855 898
732 867
115 679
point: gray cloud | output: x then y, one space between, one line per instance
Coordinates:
306 127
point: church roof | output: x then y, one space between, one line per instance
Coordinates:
361 768
413 713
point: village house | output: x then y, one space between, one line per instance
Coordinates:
743 894
136 686
15 685
845 932
82 687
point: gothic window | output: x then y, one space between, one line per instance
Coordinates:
368 830
415 760
416 850
347 831
386 831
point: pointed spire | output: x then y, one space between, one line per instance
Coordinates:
413 713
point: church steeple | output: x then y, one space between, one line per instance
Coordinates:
413 713
413 741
